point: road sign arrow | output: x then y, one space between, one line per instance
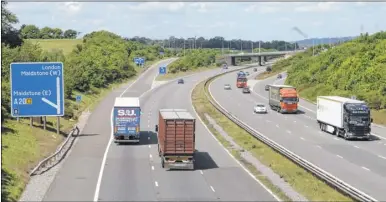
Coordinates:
57 105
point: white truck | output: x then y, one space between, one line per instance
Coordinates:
126 120
344 117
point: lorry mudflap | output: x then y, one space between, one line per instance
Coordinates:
125 138
178 162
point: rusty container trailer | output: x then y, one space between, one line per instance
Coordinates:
176 138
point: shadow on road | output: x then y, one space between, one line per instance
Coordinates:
203 161
86 135
146 138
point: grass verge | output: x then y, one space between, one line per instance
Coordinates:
66 45
302 181
170 76
23 147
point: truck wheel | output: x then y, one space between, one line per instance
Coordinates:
162 163
159 151
345 136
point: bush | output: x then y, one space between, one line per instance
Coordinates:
194 59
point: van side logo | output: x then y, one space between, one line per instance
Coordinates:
127 112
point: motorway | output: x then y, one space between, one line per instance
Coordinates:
361 164
133 172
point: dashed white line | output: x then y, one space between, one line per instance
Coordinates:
339 156
302 138
152 167
365 168
288 131
382 157
318 146
148 125
277 126
148 138
151 156
306 126
156 183
267 121
201 172
212 189
294 121
356 146
149 146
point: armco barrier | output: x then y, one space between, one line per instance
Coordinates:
324 175
55 158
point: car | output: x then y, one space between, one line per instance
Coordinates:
255 69
246 90
227 87
260 108
279 76
266 87
180 81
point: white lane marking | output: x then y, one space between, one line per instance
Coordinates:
382 157
288 131
150 156
152 167
294 121
148 138
201 172
339 156
306 126
238 162
98 185
156 183
212 189
268 121
148 125
356 146
302 138
365 168
384 144
149 146
318 146
277 126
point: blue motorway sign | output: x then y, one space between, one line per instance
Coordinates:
139 61
37 89
78 98
161 53
162 70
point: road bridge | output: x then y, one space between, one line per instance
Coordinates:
230 59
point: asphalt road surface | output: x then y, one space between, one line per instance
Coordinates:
362 164
133 172
77 178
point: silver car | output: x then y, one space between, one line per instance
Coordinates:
227 87
260 108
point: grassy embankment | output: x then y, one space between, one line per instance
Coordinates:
353 68
23 146
66 45
302 181
193 62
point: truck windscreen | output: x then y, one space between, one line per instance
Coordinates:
290 99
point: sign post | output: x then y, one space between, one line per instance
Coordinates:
37 89
162 70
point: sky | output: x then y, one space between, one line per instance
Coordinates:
246 20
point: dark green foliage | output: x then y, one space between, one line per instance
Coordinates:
194 59
33 32
355 68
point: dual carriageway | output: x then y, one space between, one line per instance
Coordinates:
97 169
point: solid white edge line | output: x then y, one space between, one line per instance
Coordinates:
212 189
156 183
98 185
214 137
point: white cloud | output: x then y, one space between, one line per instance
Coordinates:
318 7
70 7
154 6
260 8
360 3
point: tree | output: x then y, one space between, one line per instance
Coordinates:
70 34
9 35
30 32
46 33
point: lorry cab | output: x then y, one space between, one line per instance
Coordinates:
283 98
241 82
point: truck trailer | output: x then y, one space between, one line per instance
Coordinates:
344 117
283 98
176 138
126 119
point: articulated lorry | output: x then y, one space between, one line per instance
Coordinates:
283 98
126 119
344 117
176 138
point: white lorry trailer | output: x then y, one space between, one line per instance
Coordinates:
126 120
344 117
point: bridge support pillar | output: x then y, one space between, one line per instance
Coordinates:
233 61
260 61
265 59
